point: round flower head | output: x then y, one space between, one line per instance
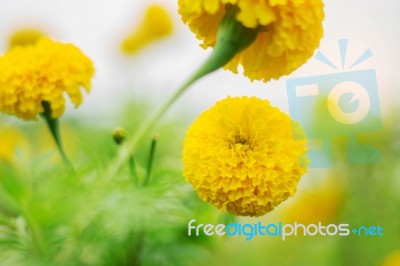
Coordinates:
41 73
241 156
289 32
156 25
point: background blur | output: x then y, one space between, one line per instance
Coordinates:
89 222
98 27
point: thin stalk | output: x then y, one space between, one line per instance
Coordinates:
151 159
54 127
232 38
129 148
120 135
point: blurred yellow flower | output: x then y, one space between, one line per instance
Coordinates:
241 156
289 32
10 140
25 37
393 259
31 75
318 203
156 25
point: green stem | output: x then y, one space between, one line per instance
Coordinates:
151 159
130 146
54 127
232 38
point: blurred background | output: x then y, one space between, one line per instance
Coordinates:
98 28
49 218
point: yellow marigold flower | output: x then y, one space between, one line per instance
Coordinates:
25 37
289 32
319 203
241 156
31 75
156 25
393 259
10 140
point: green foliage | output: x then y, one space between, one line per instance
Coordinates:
50 215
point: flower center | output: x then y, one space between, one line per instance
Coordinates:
239 142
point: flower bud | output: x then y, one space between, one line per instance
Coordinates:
120 135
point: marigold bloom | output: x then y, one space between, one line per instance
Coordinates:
10 140
393 259
241 156
156 25
43 72
25 37
320 203
290 31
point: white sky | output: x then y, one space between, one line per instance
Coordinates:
97 26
